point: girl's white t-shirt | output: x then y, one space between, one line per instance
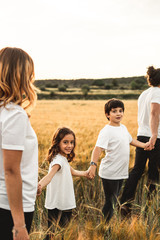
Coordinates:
151 95
115 140
60 191
16 133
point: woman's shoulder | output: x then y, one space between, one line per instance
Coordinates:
12 108
13 111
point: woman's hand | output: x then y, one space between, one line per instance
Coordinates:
20 233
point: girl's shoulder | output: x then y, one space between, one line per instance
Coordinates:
58 159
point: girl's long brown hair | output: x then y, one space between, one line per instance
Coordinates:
16 77
57 137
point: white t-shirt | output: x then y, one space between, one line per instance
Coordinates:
151 95
115 140
16 133
60 191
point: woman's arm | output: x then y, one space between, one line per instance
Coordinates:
46 180
12 160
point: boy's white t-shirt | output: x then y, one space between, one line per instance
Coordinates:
60 191
115 140
151 95
16 133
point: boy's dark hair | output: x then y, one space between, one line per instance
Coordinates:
113 103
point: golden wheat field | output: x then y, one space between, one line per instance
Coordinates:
86 118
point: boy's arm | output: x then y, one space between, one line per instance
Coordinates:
78 173
46 180
137 143
94 159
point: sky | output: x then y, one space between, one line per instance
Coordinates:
70 39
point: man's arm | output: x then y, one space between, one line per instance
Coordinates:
154 123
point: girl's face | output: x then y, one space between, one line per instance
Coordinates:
66 145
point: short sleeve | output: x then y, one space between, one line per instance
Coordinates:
156 97
130 137
103 139
57 160
14 130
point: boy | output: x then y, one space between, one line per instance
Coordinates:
115 139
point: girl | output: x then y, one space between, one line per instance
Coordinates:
60 197
18 144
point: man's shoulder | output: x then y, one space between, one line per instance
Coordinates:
151 90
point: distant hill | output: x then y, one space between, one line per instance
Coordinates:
76 83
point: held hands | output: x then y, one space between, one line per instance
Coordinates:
92 171
86 174
39 190
147 146
150 145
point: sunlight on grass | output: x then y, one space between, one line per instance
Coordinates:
86 119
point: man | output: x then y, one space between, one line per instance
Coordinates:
148 130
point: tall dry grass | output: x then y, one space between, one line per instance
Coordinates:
86 118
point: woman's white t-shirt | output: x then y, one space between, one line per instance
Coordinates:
16 133
151 95
60 191
115 140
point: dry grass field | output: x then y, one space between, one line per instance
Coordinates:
86 118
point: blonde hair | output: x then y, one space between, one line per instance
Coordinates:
16 78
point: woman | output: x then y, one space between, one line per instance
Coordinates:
18 144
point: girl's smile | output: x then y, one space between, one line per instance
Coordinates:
66 145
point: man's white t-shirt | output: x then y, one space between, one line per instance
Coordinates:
16 133
60 191
115 140
151 95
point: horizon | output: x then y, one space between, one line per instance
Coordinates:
89 78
